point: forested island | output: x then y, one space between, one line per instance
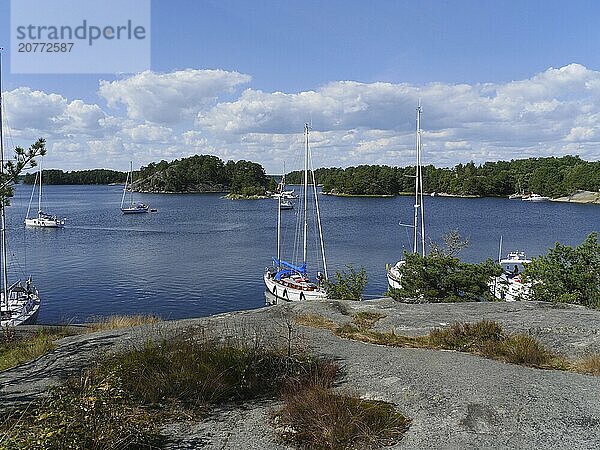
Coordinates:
94 176
204 173
553 177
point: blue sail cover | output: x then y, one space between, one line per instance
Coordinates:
289 268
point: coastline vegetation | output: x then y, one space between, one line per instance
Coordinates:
94 176
349 284
566 274
553 177
439 277
18 348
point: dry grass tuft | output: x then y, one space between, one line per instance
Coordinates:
365 320
319 418
316 321
115 322
589 364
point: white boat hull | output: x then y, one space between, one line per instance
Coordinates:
45 223
394 275
509 289
290 294
134 210
23 307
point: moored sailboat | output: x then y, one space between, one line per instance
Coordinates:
43 219
19 302
288 281
133 207
394 273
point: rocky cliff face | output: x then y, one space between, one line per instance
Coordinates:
455 400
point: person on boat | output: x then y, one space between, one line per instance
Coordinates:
515 271
320 278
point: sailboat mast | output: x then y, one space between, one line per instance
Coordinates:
305 191
131 188
281 187
3 202
314 182
421 180
417 172
40 190
124 191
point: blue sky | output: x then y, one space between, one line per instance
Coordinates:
499 80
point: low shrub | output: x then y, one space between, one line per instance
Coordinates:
319 418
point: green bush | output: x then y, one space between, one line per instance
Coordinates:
349 285
444 278
567 275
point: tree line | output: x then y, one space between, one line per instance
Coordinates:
550 176
94 176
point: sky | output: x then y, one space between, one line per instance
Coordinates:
497 80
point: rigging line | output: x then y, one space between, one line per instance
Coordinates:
318 214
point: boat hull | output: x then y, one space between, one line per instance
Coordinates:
290 294
509 289
23 307
134 210
45 223
394 275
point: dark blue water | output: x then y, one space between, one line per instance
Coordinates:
201 254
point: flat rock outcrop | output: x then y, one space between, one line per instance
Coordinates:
455 400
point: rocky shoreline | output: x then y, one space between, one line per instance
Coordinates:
455 400
585 197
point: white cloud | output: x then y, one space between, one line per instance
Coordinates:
178 114
170 97
148 133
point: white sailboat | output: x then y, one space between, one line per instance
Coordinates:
43 219
394 273
19 302
284 196
133 207
285 280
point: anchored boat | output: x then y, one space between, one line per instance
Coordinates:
290 281
43 220
19 302
394 273
133 207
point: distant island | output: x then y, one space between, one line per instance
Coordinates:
567 178
552 177
93 176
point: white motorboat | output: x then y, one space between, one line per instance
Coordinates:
133 207
290 281
42 220
535 198
510 286
394 273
